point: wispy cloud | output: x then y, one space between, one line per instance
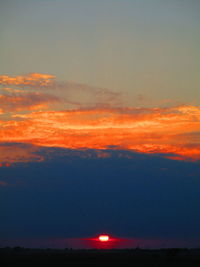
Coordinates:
32 79
74 94
26 101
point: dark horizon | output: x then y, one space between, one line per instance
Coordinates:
87 243
99 257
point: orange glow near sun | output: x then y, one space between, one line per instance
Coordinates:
103 238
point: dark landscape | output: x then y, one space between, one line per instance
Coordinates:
18 256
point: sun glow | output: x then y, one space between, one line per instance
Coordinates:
103 238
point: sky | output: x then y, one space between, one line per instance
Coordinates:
100 122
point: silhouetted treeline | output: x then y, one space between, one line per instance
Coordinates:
125 257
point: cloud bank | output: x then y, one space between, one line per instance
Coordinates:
35 120
170 131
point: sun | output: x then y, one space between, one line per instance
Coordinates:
103 238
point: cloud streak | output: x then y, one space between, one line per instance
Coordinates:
32 79
26 101
74 94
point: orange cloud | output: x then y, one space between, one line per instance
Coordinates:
172 131
11 90
32 79
25 101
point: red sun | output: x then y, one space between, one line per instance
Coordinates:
104 238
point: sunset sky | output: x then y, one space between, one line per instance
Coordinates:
100 121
